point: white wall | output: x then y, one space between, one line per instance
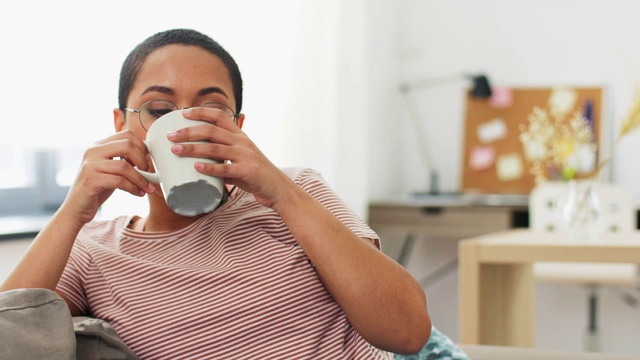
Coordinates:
385 127
517 43
325 126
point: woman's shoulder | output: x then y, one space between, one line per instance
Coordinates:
101 227
298 174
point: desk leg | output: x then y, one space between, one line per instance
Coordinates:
469 293
407 246
507 304
496 301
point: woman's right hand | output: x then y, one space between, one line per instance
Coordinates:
106 166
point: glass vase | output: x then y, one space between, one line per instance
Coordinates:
580 210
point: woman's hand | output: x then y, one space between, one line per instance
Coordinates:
100 174
102 171
245 165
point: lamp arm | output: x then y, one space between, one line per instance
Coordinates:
481 90
430 82
419 131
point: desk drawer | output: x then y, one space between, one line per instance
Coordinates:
450 222
458 216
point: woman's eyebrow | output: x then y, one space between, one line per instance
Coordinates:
170 91
212 90
158 88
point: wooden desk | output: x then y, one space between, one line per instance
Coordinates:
450 217
496 283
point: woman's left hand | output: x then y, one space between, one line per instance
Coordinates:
245 165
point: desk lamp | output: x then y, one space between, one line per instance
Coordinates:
481 90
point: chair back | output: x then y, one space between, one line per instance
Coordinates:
618 213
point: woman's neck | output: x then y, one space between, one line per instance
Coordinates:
161 218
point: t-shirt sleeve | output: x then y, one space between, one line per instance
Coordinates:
73 280
314 184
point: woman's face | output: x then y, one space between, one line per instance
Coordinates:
185 75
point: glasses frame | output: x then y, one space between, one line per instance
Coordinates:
138 111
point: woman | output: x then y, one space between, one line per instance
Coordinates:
281 269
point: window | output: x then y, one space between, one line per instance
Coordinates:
35 182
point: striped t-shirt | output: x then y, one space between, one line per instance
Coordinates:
232 285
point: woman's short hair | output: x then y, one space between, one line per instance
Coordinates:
138 55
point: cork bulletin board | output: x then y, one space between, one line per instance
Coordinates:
494 157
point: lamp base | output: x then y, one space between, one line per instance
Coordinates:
439 194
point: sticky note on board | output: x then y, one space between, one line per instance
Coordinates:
492 130
482 158
509 167
501 97
562 100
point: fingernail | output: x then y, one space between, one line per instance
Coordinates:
151 188
176 149
187 111
172 135
199 166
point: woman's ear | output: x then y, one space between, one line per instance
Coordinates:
240 120
118 119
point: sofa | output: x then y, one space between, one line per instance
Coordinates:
45 333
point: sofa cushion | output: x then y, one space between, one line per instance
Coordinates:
35 324
97 340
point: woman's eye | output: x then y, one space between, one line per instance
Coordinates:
156 113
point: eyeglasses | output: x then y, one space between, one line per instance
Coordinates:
154 109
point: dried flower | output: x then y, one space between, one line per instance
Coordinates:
558 147
565 148
629 124
632 121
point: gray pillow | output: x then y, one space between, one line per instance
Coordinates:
35 324
97 340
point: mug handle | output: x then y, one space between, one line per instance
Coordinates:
153 177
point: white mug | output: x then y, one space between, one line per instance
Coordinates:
186 191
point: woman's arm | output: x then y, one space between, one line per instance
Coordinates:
381 299
44 261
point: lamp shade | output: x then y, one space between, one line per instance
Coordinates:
481 88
